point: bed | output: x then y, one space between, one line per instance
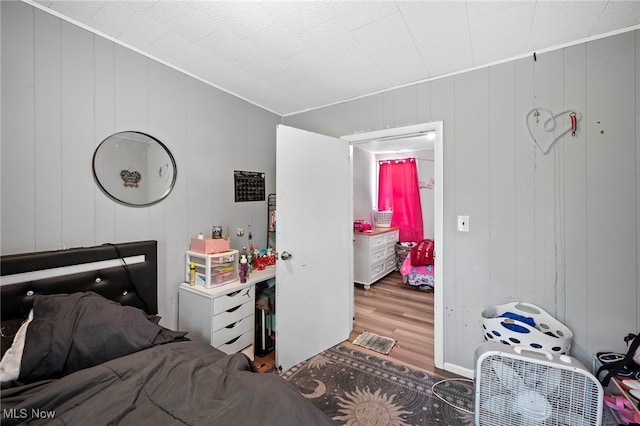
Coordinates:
92 350
417 268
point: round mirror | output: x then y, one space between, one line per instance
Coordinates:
134 168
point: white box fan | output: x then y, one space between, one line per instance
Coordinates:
517 385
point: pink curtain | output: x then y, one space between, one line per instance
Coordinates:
398 188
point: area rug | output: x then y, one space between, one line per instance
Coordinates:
375 342
356 388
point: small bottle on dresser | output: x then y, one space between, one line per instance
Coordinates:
243 269
192 274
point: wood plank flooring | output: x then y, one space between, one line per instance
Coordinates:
393 309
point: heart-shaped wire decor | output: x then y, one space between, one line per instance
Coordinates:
542 123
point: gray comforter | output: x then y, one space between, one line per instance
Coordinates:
176 383
89 360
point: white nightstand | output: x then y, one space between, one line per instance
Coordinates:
222 316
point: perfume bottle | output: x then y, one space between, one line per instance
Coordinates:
243 269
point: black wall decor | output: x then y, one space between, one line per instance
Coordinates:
249 186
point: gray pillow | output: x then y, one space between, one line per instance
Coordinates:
70 332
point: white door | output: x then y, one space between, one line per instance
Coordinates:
314 234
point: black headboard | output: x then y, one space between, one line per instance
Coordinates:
137 287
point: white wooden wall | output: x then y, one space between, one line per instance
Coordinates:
560 230
64 90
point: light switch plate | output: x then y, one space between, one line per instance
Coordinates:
463 223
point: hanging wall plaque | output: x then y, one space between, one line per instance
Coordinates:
249 186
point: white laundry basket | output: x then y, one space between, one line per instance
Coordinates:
382 218
521 323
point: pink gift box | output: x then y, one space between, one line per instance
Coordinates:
210 245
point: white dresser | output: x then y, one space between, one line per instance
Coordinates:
223 316
374 255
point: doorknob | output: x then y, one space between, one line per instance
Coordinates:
285 255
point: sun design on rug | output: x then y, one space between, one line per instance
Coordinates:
319 361
365 408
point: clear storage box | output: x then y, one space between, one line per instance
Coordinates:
213 270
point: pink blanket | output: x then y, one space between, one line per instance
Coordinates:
407 268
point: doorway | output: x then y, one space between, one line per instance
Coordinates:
402 138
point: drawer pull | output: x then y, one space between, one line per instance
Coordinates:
234 309
233 293
232 340
233 325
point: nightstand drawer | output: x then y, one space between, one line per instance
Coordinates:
226 301
237 344
231 331
232 315
392 237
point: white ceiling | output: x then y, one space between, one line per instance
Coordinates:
292 56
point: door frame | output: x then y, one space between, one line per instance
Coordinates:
438 151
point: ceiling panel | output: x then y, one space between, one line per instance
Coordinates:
290 56
490 21
556 23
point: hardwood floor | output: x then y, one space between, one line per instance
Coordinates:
267 363
393 309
